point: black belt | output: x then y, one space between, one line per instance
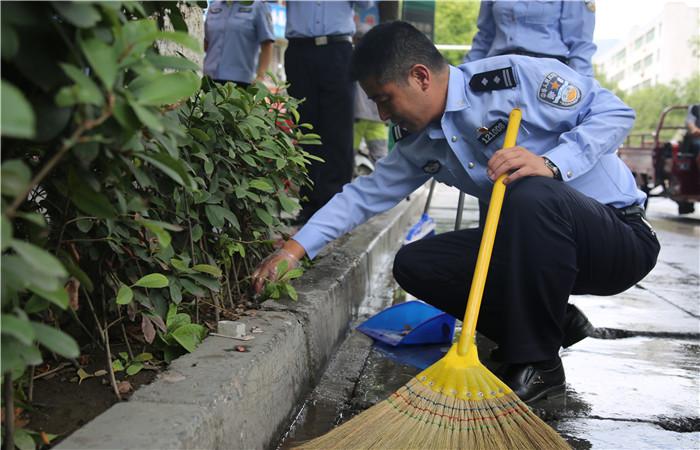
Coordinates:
321 40
631 211
519 51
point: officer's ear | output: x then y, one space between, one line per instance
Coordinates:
420 75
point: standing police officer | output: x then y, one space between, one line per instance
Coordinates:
555 29
236 35
571 221
316 62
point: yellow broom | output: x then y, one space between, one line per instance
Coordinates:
456 403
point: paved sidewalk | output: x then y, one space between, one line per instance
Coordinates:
635 387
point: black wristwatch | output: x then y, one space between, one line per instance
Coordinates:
553 167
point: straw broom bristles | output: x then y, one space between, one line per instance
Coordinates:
419 416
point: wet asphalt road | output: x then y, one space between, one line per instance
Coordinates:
636 385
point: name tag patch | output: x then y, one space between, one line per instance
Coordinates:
493 132
557 91
432 167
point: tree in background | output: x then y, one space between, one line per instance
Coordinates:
455 23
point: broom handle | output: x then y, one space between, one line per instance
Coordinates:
484 257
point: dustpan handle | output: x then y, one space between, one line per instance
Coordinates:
483 259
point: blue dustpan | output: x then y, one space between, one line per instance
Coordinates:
412 322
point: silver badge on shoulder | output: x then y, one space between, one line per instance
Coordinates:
557 91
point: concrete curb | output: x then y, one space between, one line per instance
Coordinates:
216 398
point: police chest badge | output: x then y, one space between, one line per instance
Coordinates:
432 167
557 91
488 135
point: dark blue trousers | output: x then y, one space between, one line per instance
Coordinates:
552 241
320 75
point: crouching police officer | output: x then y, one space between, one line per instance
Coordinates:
571 222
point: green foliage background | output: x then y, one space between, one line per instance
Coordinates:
133 191
455 23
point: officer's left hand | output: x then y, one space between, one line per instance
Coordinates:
519 162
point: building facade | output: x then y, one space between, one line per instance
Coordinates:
665 49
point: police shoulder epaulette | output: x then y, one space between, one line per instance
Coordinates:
493 80
399 133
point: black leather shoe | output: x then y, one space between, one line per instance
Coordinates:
576 326
531 383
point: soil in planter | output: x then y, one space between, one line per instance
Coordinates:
61 405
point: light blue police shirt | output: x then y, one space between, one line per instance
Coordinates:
321 18
234 32
559 28
567 117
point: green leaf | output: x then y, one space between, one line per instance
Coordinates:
35 218
262 185
58 297
56 340
168 166
264 216
175 292
215 215
162 235
147 117
189 336
179 265
90 201
21 329
134 368
42 261
143 357
24 440
199 134
5 233
14 356
288 204
102 59
82 15
291 292
36 304
152 280
197 233
125 295
192 288
117 365
17 116
172 62
182 38
15 177
164 88
292 274
206 268
84 91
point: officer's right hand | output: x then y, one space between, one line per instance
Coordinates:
266 271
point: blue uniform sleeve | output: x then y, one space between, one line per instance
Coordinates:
594 123
483 39
393 179
263 24
577 24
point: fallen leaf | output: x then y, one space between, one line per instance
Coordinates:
84 360
149 332
159 323
83 375
172 377
100 373
241 348
44 438
72 288
124 387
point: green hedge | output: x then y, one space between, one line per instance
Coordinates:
131 188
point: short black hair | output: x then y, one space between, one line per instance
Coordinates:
389 50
